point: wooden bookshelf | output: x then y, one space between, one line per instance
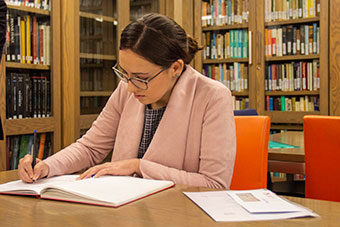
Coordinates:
27 126
98 56
289 117
112 16
293 57
86 120
225 27
258 61
17 127
291 93
228 60
14 65
95 93
76 61
200 62
97 17
240 93
29 9
293 21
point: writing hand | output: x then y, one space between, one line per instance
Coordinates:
120 168
27 174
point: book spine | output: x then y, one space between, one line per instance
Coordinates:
20 91
14 94
27 97
9 97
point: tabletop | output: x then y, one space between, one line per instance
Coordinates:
167 208
288 154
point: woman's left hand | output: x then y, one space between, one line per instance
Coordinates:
120 168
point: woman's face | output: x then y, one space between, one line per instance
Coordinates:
159 88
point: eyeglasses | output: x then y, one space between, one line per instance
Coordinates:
139 83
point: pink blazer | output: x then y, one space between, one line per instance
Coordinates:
195 142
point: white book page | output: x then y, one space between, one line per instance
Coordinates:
116 190
262 201
36 187
222 208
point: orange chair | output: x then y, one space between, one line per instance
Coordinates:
322 157
252 136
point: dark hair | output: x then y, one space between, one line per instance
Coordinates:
158 39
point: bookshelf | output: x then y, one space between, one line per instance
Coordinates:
235 21
89 50
140 7
260 62
45 65
288 63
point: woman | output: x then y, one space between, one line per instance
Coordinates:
195 142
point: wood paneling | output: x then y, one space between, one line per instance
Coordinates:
324 76
56 74
70 71
3 112
334 58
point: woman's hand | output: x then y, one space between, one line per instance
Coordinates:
120 168
27 173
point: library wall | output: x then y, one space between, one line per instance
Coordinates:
334 61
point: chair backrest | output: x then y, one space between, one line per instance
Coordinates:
245 112
322 157
252 136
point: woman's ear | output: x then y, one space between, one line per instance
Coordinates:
177 68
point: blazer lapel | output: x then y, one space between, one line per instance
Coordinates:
129 131
169 142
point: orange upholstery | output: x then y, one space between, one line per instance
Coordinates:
322 157
252 135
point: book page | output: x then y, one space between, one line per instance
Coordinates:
20 187
110 190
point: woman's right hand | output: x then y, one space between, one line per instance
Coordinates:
27 173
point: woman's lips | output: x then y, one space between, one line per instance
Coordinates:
138 96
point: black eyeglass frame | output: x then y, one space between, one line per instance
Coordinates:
126 79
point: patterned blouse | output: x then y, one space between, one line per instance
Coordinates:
151 122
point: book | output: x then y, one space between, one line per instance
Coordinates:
110 191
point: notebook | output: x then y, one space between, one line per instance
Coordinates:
112 191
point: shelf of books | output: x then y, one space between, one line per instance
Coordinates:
31 81
295 60
98 53
225 31
140 7
89 52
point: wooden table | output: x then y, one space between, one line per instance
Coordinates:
167 208
288 154
287 160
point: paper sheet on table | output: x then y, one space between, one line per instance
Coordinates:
223 208
262 201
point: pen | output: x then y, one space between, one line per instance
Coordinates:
35 148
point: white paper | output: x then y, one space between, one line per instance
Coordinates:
114 190
262 201
222 208
36 187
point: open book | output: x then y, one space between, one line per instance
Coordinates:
110 191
